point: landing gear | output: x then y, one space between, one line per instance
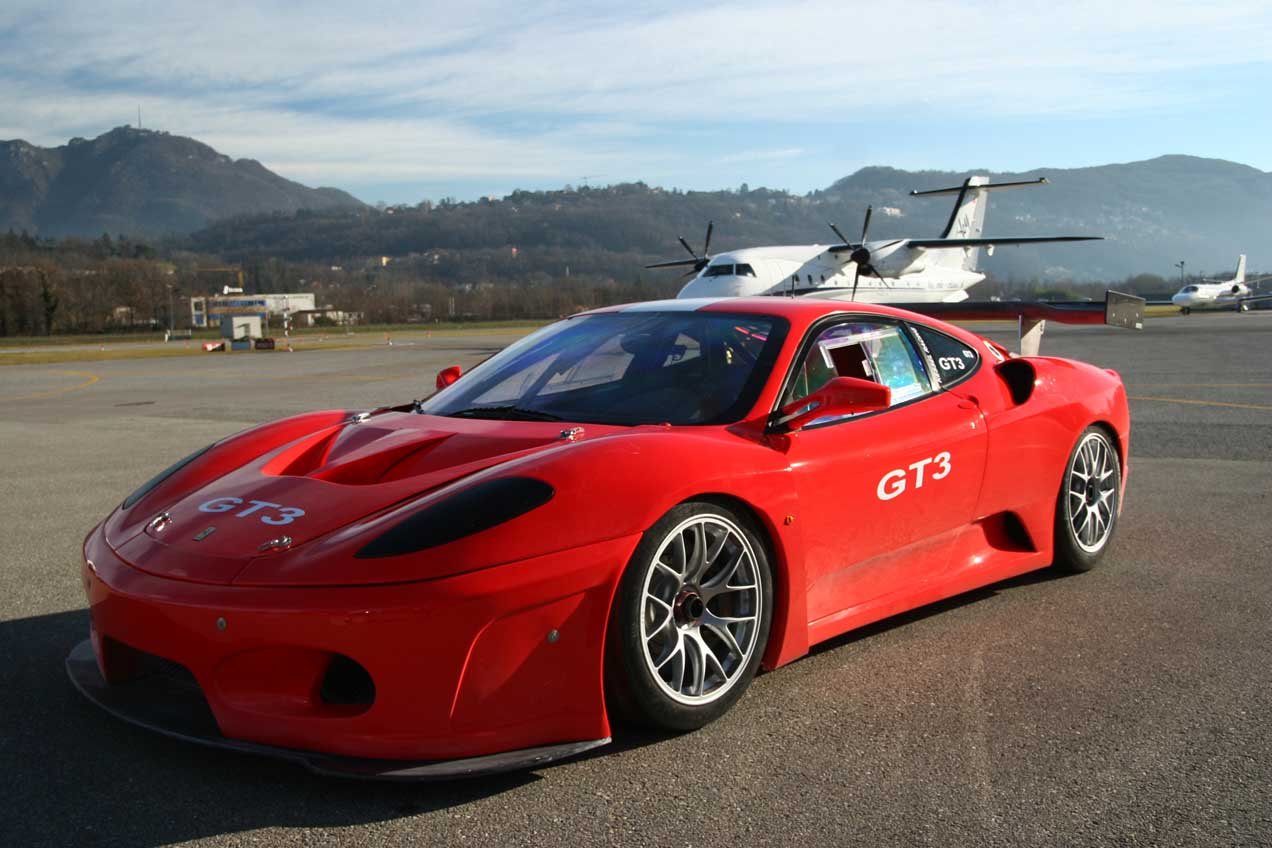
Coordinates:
1185 310
1243 307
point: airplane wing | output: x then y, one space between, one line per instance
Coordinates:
844 247
939 243
1116 310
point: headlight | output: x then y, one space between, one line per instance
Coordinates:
161 476
464 513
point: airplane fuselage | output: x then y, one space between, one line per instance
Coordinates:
815 269
1223 295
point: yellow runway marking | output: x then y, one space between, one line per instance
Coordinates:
92 378
1202 402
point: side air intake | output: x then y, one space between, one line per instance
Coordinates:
1020 377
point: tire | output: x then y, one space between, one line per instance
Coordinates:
1088 503
687 632
1243 307
1185 310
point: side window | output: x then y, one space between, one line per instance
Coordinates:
952 359
867 350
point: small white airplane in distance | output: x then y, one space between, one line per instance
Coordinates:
932 270
1220 294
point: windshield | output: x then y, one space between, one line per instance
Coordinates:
624 368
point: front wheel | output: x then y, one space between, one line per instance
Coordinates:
691 618
1087 506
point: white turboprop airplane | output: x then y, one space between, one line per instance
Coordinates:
932 270
1220 294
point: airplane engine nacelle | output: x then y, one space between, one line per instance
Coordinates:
899 262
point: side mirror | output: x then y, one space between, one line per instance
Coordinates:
840 396
447 376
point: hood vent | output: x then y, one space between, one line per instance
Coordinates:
352 455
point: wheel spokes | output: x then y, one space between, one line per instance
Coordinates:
1092 491
701 609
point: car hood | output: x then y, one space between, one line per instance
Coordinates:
321 482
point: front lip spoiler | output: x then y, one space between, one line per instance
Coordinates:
192 722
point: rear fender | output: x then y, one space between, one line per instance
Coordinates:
1030 441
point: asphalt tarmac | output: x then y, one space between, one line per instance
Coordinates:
1127 706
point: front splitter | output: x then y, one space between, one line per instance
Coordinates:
155 705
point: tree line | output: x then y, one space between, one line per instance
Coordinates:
121 285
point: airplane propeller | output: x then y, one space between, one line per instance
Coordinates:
860 254
697 262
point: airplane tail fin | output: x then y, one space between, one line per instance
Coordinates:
1239 277
967 221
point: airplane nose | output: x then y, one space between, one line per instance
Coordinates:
714 287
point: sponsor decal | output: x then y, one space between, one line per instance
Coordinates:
268 513
897 481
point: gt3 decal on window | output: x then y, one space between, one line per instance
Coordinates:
286 514
895 481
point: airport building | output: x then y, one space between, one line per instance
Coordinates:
208 311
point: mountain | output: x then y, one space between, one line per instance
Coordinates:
1152 214
140 183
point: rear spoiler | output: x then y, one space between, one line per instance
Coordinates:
1116 310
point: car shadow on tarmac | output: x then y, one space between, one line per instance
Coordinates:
1044 575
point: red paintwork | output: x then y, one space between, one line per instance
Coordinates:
456 637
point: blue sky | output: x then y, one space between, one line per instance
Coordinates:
405 101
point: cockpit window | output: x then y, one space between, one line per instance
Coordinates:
719 271
1190 289
744 271
625 368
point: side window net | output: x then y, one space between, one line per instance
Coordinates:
952 359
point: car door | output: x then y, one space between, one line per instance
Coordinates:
882 495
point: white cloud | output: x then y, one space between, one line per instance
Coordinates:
331 92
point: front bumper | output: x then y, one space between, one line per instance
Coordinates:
487 671
153 705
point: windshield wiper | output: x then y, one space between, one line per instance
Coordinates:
505 413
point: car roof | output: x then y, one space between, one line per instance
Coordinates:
797 310
800 312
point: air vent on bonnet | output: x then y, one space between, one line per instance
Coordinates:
464 513
353 455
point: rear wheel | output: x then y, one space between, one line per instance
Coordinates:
1087 506
691 618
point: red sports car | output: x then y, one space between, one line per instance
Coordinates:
624 513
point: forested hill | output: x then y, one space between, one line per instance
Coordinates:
1152 214
140 183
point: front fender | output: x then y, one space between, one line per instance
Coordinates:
605 488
